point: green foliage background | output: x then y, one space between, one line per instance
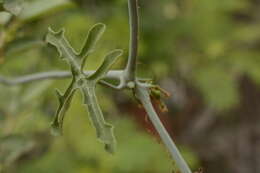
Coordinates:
208 44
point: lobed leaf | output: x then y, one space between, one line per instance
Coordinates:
94 35
65 50
64 104
87 85
109 60
104 130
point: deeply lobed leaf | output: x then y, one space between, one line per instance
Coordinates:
64 104
104 130
86 84
94 35
109 60
65 50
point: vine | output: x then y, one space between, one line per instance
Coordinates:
86 81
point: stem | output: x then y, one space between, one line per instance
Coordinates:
143 95
133 44
51 75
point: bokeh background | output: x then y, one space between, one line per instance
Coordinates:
205 53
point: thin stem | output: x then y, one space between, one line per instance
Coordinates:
52 75
133 44
143 95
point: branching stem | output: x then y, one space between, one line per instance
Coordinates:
127 78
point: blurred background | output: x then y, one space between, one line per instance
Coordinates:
205 53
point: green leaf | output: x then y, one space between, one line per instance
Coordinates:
104 130
67 53
110 59
13 6
94 35
38 8
87 85
65 50
64 104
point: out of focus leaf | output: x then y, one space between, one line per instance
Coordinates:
1 9
217 86
36 8
12 147
13 6
35 91
94 35
23 44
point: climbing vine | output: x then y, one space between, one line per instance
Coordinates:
86 81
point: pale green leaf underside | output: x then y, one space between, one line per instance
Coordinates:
93 37
109 60
104 130
88 47
64 103
86 84
65 50
37 8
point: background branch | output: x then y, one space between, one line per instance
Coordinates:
50 76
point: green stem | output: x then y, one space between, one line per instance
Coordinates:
143 95
114 74
133 43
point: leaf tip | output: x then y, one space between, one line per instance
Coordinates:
59 95
99 26
94 34
110 148
55 129
57 34
118 52
53 37
114 54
